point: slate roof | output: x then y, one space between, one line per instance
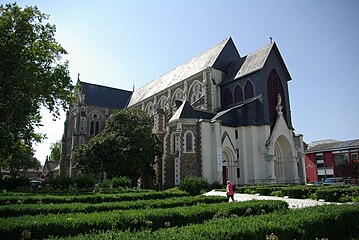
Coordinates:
243 114
334 146
187 111
103 96
52 165
220 57
253 62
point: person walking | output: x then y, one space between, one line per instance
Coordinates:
229 191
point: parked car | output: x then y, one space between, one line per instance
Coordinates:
35 184
314 183
333 181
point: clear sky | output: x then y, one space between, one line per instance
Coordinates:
118 43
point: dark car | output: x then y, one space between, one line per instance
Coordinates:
315 183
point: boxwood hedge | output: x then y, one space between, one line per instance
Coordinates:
40 226
338 222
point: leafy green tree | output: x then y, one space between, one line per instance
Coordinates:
21 159
55 151
126 146
32 75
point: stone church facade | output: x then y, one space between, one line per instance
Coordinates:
220 115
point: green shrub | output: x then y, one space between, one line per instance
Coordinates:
11 183
105 184
121 182
61 182
215 185
193 185
266 190
333 194
85 181
42 226
63 208
97 198
320 222
300 192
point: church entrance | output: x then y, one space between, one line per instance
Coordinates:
229 168
283 164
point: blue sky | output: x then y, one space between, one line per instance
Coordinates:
118 43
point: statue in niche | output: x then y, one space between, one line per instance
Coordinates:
279 105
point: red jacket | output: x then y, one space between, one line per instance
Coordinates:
229 189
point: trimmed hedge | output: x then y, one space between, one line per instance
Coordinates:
319 222
36 209
300 192
40 226
98 198
333 194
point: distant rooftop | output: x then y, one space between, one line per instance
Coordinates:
334 146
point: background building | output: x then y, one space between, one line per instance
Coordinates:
330 158
219 115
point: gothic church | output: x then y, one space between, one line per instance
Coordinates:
220 115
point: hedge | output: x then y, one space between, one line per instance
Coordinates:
300 192
333 194
338 222
40 226
98 198
16 210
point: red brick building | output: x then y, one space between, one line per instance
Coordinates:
332 159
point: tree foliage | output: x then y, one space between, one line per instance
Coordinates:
55 151
126 146
22 158
32 75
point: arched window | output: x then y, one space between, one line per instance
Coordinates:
238 94
195 92
248 90
97 127
94 125
174 143
149 109
177 96
227 97
275 87
163 103
189 142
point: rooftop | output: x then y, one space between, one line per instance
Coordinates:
334 146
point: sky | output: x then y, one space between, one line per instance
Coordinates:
128 43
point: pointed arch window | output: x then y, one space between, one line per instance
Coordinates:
248 90
177 97
150 109
275 87
238 94
94 125
163 103
196 92
227 97
189 142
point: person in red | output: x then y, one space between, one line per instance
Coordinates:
229 191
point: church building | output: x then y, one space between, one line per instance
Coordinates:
220 116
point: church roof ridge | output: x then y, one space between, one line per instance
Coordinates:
103 86
194 65
254 61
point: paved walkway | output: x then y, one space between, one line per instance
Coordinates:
292 202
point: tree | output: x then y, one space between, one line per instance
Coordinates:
32 76
126 147
55 151
21 159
